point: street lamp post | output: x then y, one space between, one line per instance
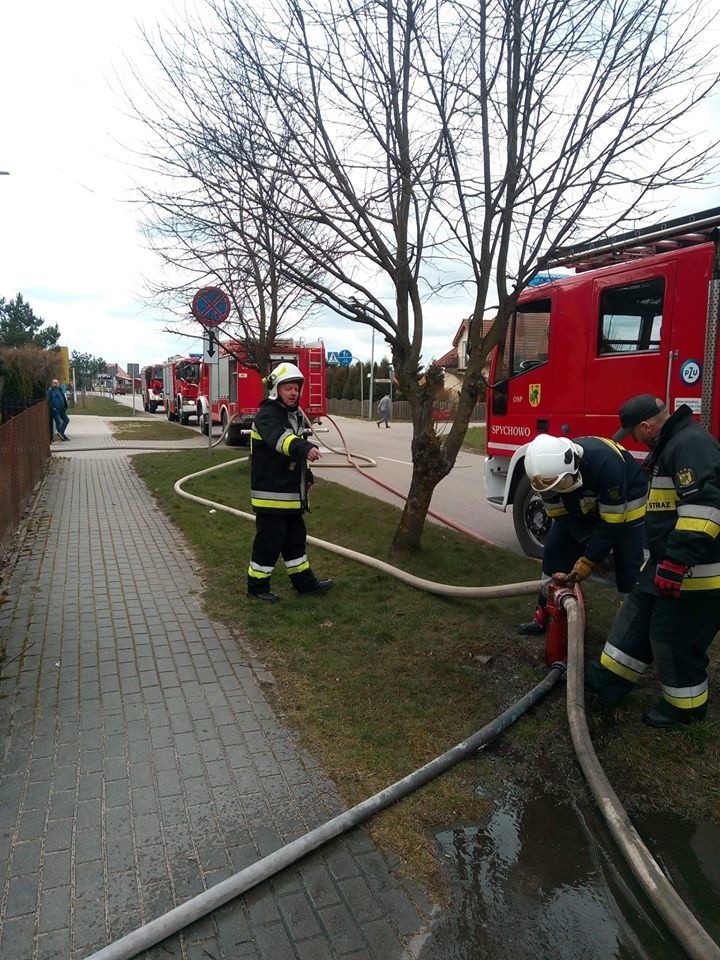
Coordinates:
372 374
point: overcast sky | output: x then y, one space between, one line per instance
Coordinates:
69 240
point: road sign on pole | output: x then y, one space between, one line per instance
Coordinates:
332 359
344 358
211 306
211 348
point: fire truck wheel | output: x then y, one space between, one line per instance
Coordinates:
153 407
167 411
531 522
147 408
204 421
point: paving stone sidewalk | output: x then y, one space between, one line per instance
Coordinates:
142 763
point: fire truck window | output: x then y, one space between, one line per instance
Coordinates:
530 334
631 317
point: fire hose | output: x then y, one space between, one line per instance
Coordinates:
565 637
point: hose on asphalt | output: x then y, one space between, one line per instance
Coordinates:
686 928
199 906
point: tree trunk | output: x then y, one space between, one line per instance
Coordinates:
430 465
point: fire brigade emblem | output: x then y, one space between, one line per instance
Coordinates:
685 477
534 394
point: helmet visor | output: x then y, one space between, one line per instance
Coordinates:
565 484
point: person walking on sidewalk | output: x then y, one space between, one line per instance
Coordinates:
384 408
595 493
673 613
280 481
58 408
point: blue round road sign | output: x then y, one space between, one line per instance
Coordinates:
211 306
345 358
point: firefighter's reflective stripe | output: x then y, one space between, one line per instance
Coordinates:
623 512
275 500
686 698
258 571
622 663
662 495
283 444
297 565
555 509
703 576
698 518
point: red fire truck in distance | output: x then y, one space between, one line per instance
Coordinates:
181 384
151 387
638 315
232 390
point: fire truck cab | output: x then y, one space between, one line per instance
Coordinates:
181 378
232 390
638 315
151 387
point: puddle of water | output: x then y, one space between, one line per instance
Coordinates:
543 880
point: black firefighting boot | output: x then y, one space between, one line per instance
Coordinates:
260 590
664 716
535 627
306 583
604 686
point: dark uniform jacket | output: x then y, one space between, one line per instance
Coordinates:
611 499
683 512
279 474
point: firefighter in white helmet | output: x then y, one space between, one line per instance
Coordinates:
280 480
595 493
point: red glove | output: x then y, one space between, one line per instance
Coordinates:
669 577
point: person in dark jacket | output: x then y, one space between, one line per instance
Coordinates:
280 481
58 408
673 613
595 493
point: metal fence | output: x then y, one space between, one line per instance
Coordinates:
24 453
400 410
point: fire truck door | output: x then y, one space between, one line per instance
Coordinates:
630 342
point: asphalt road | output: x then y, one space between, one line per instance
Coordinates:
460 496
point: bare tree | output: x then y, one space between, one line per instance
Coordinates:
213 198
424 144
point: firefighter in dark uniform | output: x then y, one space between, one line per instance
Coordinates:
595 493
673 613
280 480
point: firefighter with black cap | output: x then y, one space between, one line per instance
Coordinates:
595 494
673 613
280 480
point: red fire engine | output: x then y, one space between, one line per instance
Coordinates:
151 386
232 390
181 381
638 315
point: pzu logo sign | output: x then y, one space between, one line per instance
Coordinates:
690 372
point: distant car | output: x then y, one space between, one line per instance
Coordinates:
119 390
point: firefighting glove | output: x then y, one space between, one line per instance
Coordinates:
581 571
669 577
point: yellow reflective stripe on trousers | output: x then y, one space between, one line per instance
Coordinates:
686 698
622 664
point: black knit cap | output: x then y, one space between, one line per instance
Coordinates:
637 409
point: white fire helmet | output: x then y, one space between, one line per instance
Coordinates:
284 373
552 463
